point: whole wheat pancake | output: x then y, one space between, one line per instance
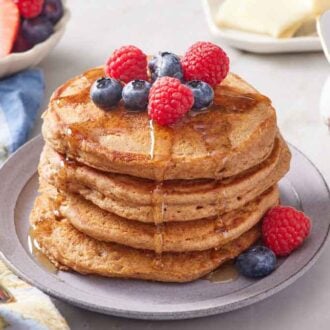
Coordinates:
68 249
235 134
179 200
195 235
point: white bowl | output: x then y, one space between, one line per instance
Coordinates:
16 62
256 43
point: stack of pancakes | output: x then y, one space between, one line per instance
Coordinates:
121 196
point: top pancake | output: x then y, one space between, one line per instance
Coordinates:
236 133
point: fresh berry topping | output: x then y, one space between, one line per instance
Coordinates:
165 65
284 229
53 10
205 61
127 63
203 94
29 8
36 30
257 262
21 44
169 100
106 92
135 94
9 23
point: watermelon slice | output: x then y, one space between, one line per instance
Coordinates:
9 24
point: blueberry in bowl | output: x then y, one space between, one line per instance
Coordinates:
53 10
33 28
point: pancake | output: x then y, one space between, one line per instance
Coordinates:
67 248
139 199
175 236
236 133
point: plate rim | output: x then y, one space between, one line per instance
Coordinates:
168 315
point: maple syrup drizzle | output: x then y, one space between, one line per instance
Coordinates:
215 135
152 139
35 250
5 296
158 192
224 274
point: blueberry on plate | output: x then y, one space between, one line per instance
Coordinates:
203 94
106 92
36 30
135 94
165 64
53 10
257 262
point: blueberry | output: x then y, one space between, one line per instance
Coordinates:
36 30
203 94
106 92
258 261
165 64
53 10
21 44
135 94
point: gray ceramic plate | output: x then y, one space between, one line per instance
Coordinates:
303 188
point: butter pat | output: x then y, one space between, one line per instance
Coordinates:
277 18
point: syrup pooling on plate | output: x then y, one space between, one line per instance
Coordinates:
225 274
36 251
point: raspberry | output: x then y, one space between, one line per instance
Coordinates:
205 61
127 63
169 100
284 229
29 8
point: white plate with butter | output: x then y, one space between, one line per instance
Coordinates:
257 43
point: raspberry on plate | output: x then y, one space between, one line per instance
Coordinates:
29 8
284 229
9 24
127 63
205 61
169 100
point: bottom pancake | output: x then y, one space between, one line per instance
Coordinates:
184 236
68 248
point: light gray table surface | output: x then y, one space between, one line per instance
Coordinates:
292 81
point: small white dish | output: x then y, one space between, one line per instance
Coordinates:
323 29
16 62
253 42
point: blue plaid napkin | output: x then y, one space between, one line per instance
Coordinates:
21 97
